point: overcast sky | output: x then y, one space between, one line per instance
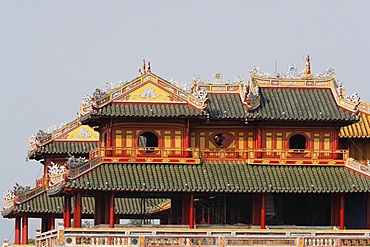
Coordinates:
53 53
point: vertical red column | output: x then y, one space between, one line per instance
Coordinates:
17 230
187 138
259 141
44 223
25 229
191 211
106 199
368 211
109 139
335 210
263 211
77 219
67 211
341 212
111 210
52 222
256 209
335 143
97 209
185 209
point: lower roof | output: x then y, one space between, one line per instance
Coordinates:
219 177
43 203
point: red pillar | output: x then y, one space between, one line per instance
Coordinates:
335 205
67 211
203 218
341 212
77 219
17 230
109 140
191 211
368 211
336 143
52 222
259 140
111 210
25 229
256 209
98 209
263 211
44 223
106 199
185 209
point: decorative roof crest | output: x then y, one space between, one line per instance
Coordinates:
9 195
55 169
19 189
74 162
293 73
218 79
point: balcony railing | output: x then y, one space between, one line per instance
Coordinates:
212 154
201 237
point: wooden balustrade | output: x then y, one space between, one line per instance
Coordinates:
222 154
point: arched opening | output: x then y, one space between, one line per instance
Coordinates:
297 142
148 141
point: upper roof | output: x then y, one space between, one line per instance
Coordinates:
288 97
72 138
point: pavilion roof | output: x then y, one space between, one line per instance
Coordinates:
359 129
219 177
43 203
65 147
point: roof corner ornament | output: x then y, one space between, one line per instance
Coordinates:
74 162
256 71
9 197
19 189
238 79
198 92
328 73
354 98
252 96
55 169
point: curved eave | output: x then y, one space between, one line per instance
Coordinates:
221 177
360 129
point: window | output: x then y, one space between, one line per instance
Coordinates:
297 142
148 141
222 140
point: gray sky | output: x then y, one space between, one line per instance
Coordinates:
53 53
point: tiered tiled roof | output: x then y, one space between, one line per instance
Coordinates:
290 104
46 204
301 104
360 129
221 177
145 110
66 147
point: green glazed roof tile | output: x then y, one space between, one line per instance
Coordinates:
43 203
225 177
300 104
64 147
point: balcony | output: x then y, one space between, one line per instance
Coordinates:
196 155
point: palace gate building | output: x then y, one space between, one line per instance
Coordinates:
275 151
